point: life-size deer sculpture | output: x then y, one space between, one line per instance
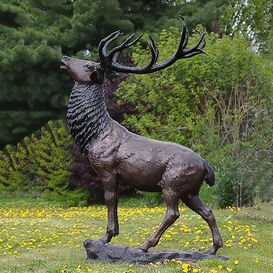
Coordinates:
119 156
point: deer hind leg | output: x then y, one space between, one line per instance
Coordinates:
194 202
111 201
172 214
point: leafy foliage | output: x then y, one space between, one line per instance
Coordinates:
220 105
253 19
40 165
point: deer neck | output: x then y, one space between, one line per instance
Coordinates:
87 114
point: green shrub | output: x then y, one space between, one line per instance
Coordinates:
220 105
40 165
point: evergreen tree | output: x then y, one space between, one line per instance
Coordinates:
31 91
34 34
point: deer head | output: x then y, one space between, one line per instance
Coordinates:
92 72
82 70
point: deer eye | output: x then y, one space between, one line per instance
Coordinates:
88 66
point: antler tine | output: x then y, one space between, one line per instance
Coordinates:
134 41
155 48
104 49
104 40
196 48
204 42
191 54
184 37
115 57
103 45
202 38
127 43
202 46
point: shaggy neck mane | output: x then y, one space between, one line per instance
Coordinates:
87 115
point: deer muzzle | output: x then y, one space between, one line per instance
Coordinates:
64 63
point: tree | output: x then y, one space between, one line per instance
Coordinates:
254 19
209 13
33 37
30 47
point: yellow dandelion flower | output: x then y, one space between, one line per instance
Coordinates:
185 268
89 269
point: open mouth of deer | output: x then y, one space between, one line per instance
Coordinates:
63 65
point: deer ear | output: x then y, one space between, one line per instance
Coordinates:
97 76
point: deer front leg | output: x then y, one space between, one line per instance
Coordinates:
111 200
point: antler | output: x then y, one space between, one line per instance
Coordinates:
109 61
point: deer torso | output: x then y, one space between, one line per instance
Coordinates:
142 162
136 160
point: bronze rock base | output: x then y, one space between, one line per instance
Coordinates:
98 251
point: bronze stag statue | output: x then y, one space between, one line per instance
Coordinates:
119 156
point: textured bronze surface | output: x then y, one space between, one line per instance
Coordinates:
119 156
98 251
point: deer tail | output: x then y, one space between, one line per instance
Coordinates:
209 176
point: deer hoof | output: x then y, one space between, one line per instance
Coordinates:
106 238
143 249
140 250
211 251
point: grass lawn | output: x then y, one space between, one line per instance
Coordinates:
36 237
